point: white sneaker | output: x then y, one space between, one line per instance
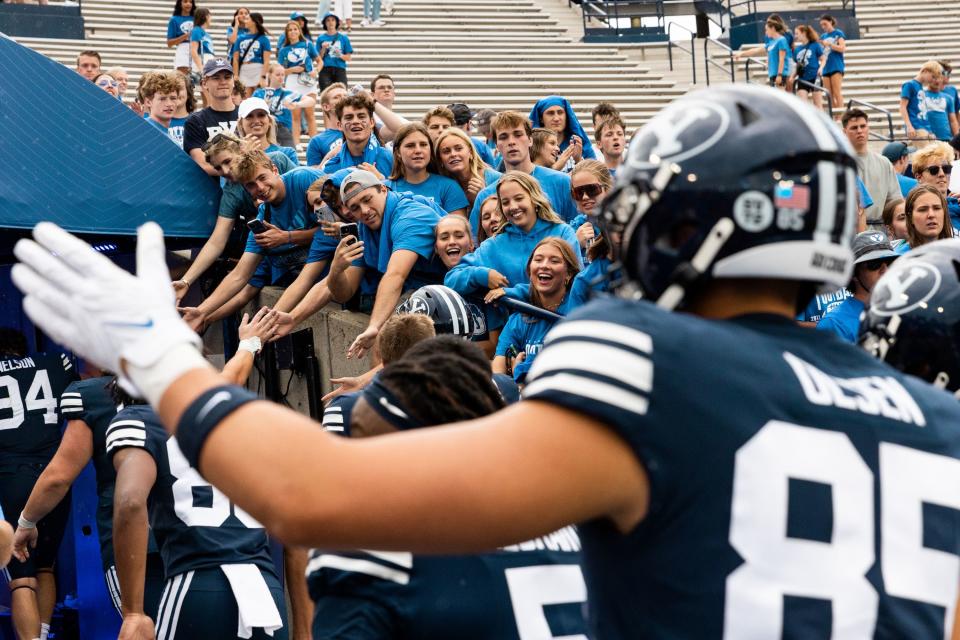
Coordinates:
364 23
379 23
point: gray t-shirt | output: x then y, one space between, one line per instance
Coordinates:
881 182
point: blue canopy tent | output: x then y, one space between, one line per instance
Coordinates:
72 154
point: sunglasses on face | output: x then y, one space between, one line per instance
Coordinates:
107 83
875 265
935 169
592 191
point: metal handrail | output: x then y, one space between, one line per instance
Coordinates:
707 61
746 71
888 114
692 51
809 86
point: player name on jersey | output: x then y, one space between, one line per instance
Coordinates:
872 395
565 539
11 365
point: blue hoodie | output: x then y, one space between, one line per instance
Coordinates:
507 252
573 124
555 185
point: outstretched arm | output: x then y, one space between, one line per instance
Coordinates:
136 473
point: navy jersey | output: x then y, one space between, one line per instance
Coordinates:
799 488
532 590
90 401
195 525
30 391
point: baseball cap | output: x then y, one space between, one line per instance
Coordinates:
896 150
216 65
461 113
250 105
297 14
357 181
872 245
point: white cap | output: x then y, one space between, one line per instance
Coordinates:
250 105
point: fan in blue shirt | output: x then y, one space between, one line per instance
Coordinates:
556 114
178 33
872 254
830 38
201 42
414 170
940 110
396 239
360 146
551 269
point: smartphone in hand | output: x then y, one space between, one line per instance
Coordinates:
257 226
350 229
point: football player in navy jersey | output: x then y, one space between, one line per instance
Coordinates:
88 407
533 589
820 502
221 582
30 388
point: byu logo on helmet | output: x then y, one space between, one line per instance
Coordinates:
678 133
418 305
905 289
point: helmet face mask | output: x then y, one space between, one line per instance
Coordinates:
756 185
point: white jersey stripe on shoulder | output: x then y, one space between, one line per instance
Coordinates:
71 409
333 409
598 329
130 432
70 394
126 423
172 633
126 442
332 418
589 389
334 429
399 558
626 367
356 565
71 402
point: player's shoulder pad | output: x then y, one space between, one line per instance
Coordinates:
131 427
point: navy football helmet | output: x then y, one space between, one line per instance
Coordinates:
449 311
913 319
737 181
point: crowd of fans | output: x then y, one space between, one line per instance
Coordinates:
493 206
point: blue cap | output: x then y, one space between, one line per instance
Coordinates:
297 14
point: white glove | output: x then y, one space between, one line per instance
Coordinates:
123 323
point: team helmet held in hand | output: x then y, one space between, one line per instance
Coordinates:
733 182
913 320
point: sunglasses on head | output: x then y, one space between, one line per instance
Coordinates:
220 137
935 169
592 191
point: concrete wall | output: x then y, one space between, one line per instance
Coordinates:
333 331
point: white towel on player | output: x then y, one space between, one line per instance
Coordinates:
254 600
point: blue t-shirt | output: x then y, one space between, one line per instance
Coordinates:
821 304
374 154
179 26
774 46
937 106
912 91
251 48
906 184
240 31
865 200
593 280
807 57
275 97
339 44
165 130
290 152
483 151
291 214
297 55
490 176
556 186
442 190
526 333
834 58
320 144
843 319
322 247
408 223
952 92
199 34
176 130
